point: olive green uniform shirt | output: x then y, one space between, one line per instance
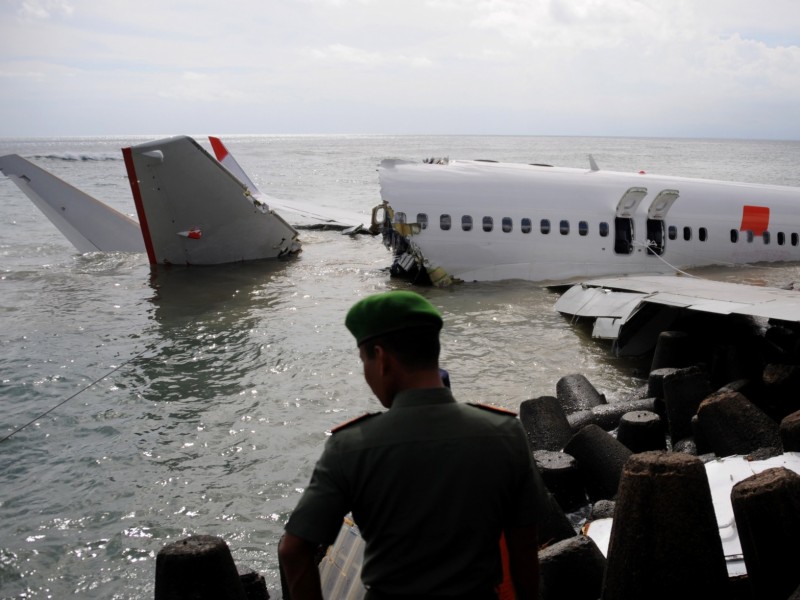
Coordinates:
431 484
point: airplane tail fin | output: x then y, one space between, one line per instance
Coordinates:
89 224
226 158
349 224
196 211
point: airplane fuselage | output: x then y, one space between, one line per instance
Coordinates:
485 221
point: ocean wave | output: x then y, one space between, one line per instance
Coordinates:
80 157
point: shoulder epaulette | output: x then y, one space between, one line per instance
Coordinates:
354 421
494 409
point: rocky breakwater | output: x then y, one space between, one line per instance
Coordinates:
643 460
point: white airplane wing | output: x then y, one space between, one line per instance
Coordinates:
193 210
89 224
616 303
314 217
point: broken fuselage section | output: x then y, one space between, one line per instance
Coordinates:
476 220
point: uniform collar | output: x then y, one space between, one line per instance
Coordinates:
422 397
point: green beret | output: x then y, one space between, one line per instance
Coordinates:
388 312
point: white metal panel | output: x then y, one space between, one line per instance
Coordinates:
596 302
661 204
86 222
630 201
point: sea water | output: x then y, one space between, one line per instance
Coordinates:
188 401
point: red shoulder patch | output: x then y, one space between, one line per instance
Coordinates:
354 421
495 409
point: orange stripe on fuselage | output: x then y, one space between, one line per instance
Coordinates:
755 219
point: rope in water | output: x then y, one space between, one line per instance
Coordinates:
75 395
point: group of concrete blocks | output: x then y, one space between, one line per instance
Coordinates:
641 461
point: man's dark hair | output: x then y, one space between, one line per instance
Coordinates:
415 347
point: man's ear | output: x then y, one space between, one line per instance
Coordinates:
383 358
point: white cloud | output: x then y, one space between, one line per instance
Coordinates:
44 9
599 67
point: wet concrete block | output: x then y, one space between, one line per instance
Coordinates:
731 424
602 509
673 349
766 507
554 525
701 445
199 567
642 430
561 476
781 390
600 460
655 382
684 390
581 419
575 393
572 569
253 584
664 540
730 362
545 423
790 432
685 446
607 416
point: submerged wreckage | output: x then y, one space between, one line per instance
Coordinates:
471 220
457 220
193 208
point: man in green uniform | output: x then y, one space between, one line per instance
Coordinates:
431 483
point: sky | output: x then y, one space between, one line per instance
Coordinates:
644 68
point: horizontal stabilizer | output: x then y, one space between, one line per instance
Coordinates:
87 223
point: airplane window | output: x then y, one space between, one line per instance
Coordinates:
672 232
399 217
583 227
604 229
766 237
545 226
507 224
563 227
525 225
422 219
687 233
795 239
749 236
703 234
466 223
781 238
734 236
444 222
488 223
